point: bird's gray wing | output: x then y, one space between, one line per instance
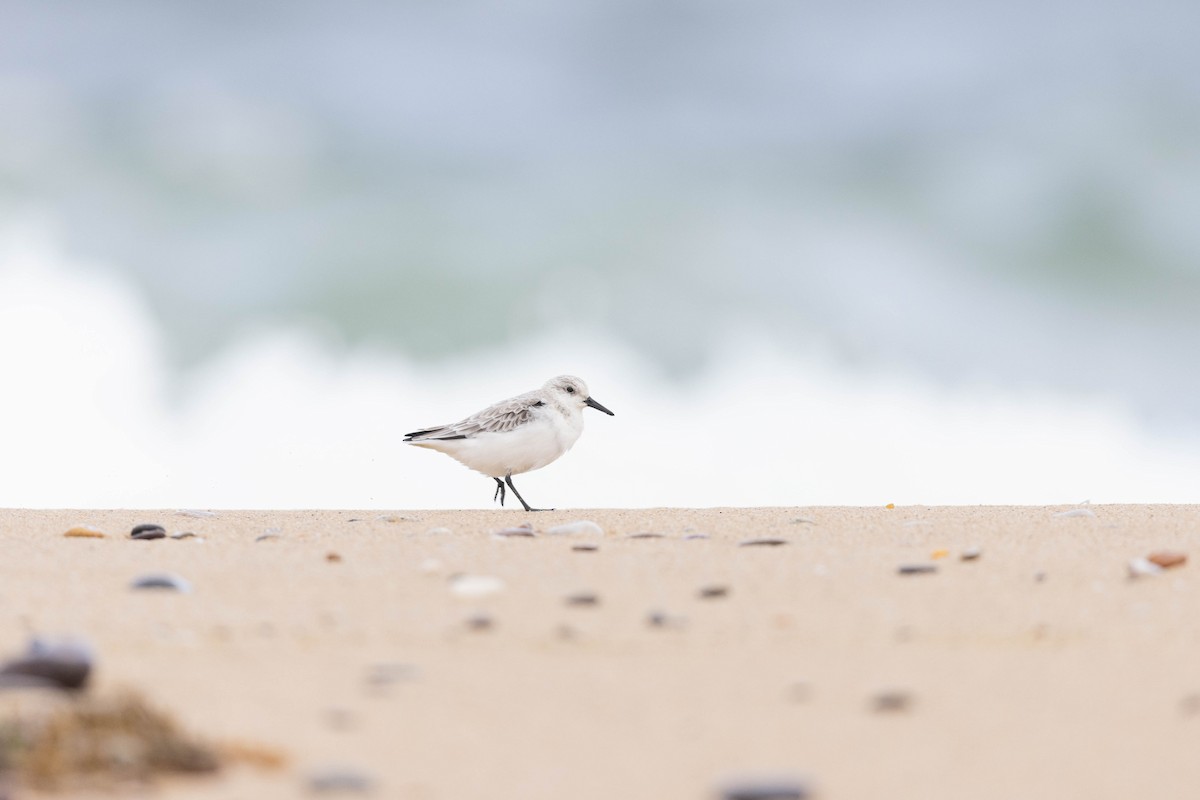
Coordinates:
506 415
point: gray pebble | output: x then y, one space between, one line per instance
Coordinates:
583 599
766 541
161 580
892 701
340 779
971 553
646 535
585 548
766 788
713 592
661 619
262 537
148 531
691 537
480 622
916 569
63 664
183 535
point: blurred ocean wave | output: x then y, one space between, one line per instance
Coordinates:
992 200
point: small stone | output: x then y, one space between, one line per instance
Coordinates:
475 585
804 521
519 532
333 558
891 702
84 532
661 619
585 548
1077 512
340 779
62 664
271 533
890 505
196 513
385 674
583 599
766 788
713 592
645 535
184 535
581 527
692 537
916 569
971 553
939 553
148 531
765 541
1142 567
1167 558
480 622
161 580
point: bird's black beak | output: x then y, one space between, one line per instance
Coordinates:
589 401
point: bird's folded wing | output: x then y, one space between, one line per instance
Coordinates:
503 416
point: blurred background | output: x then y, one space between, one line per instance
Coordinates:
929 252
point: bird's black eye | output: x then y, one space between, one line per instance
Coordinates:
570 390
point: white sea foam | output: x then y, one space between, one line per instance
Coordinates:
92 415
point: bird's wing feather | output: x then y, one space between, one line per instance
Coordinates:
506 415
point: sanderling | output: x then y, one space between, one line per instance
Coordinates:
517 435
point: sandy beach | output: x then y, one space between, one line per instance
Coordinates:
421 654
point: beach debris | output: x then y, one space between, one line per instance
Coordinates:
663 620
764 541
268 534
692 537
148 531
185 535
466 585
1142 567
1076 512
388 673
645 535
480 621
939 553
333 558
524 530
439 531
585 548
1167 558
195 513
329 780
106 740
84 532
583 599
580 527
58 663
891 701
713 591
161 580
890 505
766 787
970 554
916 569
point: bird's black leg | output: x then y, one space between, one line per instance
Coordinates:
500 492
508 479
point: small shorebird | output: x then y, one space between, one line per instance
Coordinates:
517 435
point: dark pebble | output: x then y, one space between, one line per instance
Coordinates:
763 542
480 622
148 531
161 580
583 599
713 592
263 537
183 535
661 619
61 665
340 779
891 702
646 535
692 537
585 548
766 789
916 569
